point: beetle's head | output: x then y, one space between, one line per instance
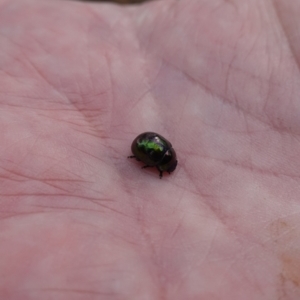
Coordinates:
169 161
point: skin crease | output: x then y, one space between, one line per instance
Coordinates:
79 81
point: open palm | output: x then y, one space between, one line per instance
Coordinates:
78 82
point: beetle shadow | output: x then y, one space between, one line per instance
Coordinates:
153 167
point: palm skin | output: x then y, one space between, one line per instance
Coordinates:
79 81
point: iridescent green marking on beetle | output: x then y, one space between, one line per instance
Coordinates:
150 145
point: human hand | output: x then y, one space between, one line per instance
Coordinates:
79 81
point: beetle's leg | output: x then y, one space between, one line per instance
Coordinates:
160 173
144 167
132 156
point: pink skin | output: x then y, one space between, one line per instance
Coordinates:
79 81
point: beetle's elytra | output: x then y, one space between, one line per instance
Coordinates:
154 151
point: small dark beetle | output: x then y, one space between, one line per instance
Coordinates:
155 151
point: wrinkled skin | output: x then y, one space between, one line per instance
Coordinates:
79 81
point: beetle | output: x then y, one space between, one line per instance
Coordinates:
154 151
